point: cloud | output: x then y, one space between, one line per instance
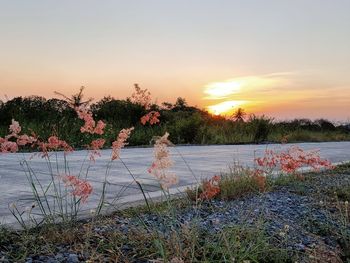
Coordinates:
221 90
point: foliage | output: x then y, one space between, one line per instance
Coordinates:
186 124
274 168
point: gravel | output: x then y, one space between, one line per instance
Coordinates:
297 220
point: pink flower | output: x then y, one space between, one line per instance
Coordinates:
89 122
162 163
142 97
151 117
80 188
291 160
211 188
99 127
15 128
25 139
123 135
8 147
95 147
54 143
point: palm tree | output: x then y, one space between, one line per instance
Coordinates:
76 100
239 115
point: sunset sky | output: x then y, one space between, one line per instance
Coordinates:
282 58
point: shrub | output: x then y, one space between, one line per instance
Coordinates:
261 127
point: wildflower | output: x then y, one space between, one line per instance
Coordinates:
260 180
54 143
90 125
292 160
211 188
80 188
95 147
8 147
25 139
123 135
162 163
151 117
99 127
15 128
141 97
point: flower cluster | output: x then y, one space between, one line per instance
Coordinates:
95 147
53 144
123 135
260 179
10 143
162 162
151 117
80 188
142 97
90 126
8 146
15 128
291 160
211 188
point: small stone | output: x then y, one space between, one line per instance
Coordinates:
300 247
73 258
59 256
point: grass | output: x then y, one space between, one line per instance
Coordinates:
128 235
238 183
233 243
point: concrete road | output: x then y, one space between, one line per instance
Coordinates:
192 163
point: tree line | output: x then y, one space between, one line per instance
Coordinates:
186 124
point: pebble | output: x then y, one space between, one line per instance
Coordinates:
73 258
279 208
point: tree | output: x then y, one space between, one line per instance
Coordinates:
76 100
167 105
180 103
239 115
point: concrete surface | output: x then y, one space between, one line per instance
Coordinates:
204 161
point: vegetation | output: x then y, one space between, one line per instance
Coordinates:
155 233
209 226
185 124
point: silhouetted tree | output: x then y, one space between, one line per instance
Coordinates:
239 115
167 105
325 125
180 103
118 112
76 100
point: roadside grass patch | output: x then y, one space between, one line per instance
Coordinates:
191 243
340 192
240 182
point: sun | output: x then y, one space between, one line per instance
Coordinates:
225 107
221 90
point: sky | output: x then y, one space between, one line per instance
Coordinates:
282 58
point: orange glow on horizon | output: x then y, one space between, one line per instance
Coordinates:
225 108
